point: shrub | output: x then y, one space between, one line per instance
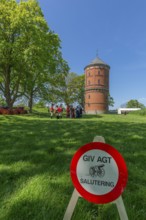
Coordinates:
15 111
140 112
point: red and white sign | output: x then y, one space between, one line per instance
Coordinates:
99 172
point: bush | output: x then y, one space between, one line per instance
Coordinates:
140 112
14 111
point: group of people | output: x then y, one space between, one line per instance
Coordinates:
56 111
71 112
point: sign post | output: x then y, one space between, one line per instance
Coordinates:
99 174
71 206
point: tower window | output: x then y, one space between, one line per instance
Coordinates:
89 74
98 81
88 96
99 72
88 82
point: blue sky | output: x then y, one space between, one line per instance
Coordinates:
116 28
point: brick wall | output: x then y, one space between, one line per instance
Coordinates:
96 89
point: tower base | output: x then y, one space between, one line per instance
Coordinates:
95 112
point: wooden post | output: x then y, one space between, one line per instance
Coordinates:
121 208
119 202
99 139
71 206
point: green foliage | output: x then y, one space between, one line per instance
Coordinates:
51 89
29 51
78 86
133 103
2 101
72 88
110 101
140 112
40 104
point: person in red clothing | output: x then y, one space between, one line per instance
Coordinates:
72 112
67 111
56 112
52 111
60 110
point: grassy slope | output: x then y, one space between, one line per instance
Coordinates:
35 155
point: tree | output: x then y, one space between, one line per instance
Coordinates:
110 101
39 81
78 86
29 50
72 88
133 103
2 101
68 88
51 89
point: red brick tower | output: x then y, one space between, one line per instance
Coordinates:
96 87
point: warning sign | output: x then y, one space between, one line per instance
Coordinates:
99 172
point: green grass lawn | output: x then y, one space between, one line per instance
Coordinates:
35 156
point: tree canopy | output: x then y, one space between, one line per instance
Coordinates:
29 51
110 101
71 88
133 103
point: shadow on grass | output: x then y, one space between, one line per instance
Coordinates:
91 116
36 147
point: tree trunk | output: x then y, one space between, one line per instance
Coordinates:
7 91
30 102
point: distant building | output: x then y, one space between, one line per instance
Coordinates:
96 87
126 110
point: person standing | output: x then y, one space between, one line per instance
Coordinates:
81 111
67 111
60 110
77 112
72 112
56 112
51 111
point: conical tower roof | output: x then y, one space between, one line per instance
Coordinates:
97 62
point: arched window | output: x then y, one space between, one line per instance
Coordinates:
99 72
98 81
88 96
